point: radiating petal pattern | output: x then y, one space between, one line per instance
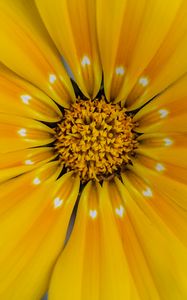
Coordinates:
19 97
163 251
27 49
19 133
76 238
164 147
30 181
137 263
131 57
169 201
16 163
167 112
171 183
71 25
96 250
168 65
33 230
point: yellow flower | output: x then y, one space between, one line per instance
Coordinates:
103 145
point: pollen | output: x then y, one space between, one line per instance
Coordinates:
95 139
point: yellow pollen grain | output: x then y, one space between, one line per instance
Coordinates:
95 139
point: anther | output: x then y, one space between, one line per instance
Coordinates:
95 139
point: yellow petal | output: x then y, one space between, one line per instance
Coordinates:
167 112
21 186
125 33
171 186
27 49
39 222
169 63
15 163
167 192
137 264
19 133
164 147
93 258
19 97
71 25
165 255
168 169
110 26
164 187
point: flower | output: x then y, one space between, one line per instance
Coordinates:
102 145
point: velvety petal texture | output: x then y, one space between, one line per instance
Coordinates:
167 113
21 161
19 97
33 228
96 250
18 133
123 237
27 49
72 27
144 49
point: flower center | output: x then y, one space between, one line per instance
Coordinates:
95 139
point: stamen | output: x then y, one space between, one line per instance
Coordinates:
95 139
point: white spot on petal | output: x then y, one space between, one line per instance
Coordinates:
120 71
147 192
52 78
120 211
26 98
57 202
29 162
22 132
168 142
85 61
163 113
159 167
36 181
143 81
93 213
